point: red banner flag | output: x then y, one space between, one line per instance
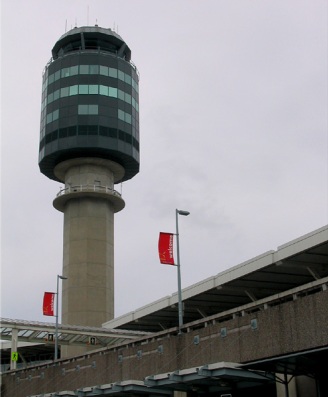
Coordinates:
48 304
165 248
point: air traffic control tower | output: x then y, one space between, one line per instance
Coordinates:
89 141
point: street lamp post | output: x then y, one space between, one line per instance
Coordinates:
177 213
56 331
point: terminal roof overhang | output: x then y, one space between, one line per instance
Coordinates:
310 363
211 378
294 264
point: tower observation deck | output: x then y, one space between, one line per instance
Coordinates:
89 140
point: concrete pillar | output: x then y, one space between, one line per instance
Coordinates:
89 203
306 386
178 393
14 347
88 264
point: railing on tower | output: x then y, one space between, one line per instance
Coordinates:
88 188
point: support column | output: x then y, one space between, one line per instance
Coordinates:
89 202
14 347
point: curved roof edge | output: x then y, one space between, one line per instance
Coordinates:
90 29
294 247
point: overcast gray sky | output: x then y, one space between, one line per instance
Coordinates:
233 106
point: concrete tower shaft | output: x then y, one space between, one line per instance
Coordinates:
89 140
88 202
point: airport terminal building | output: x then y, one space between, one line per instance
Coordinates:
259 327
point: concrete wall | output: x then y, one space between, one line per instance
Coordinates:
290 327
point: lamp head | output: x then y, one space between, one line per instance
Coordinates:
62 277
182 212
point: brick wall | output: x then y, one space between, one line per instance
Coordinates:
284 328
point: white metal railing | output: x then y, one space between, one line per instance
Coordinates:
88 188
98 50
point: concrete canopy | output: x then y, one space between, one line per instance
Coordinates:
291 266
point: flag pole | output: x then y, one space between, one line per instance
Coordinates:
180 308
56 330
